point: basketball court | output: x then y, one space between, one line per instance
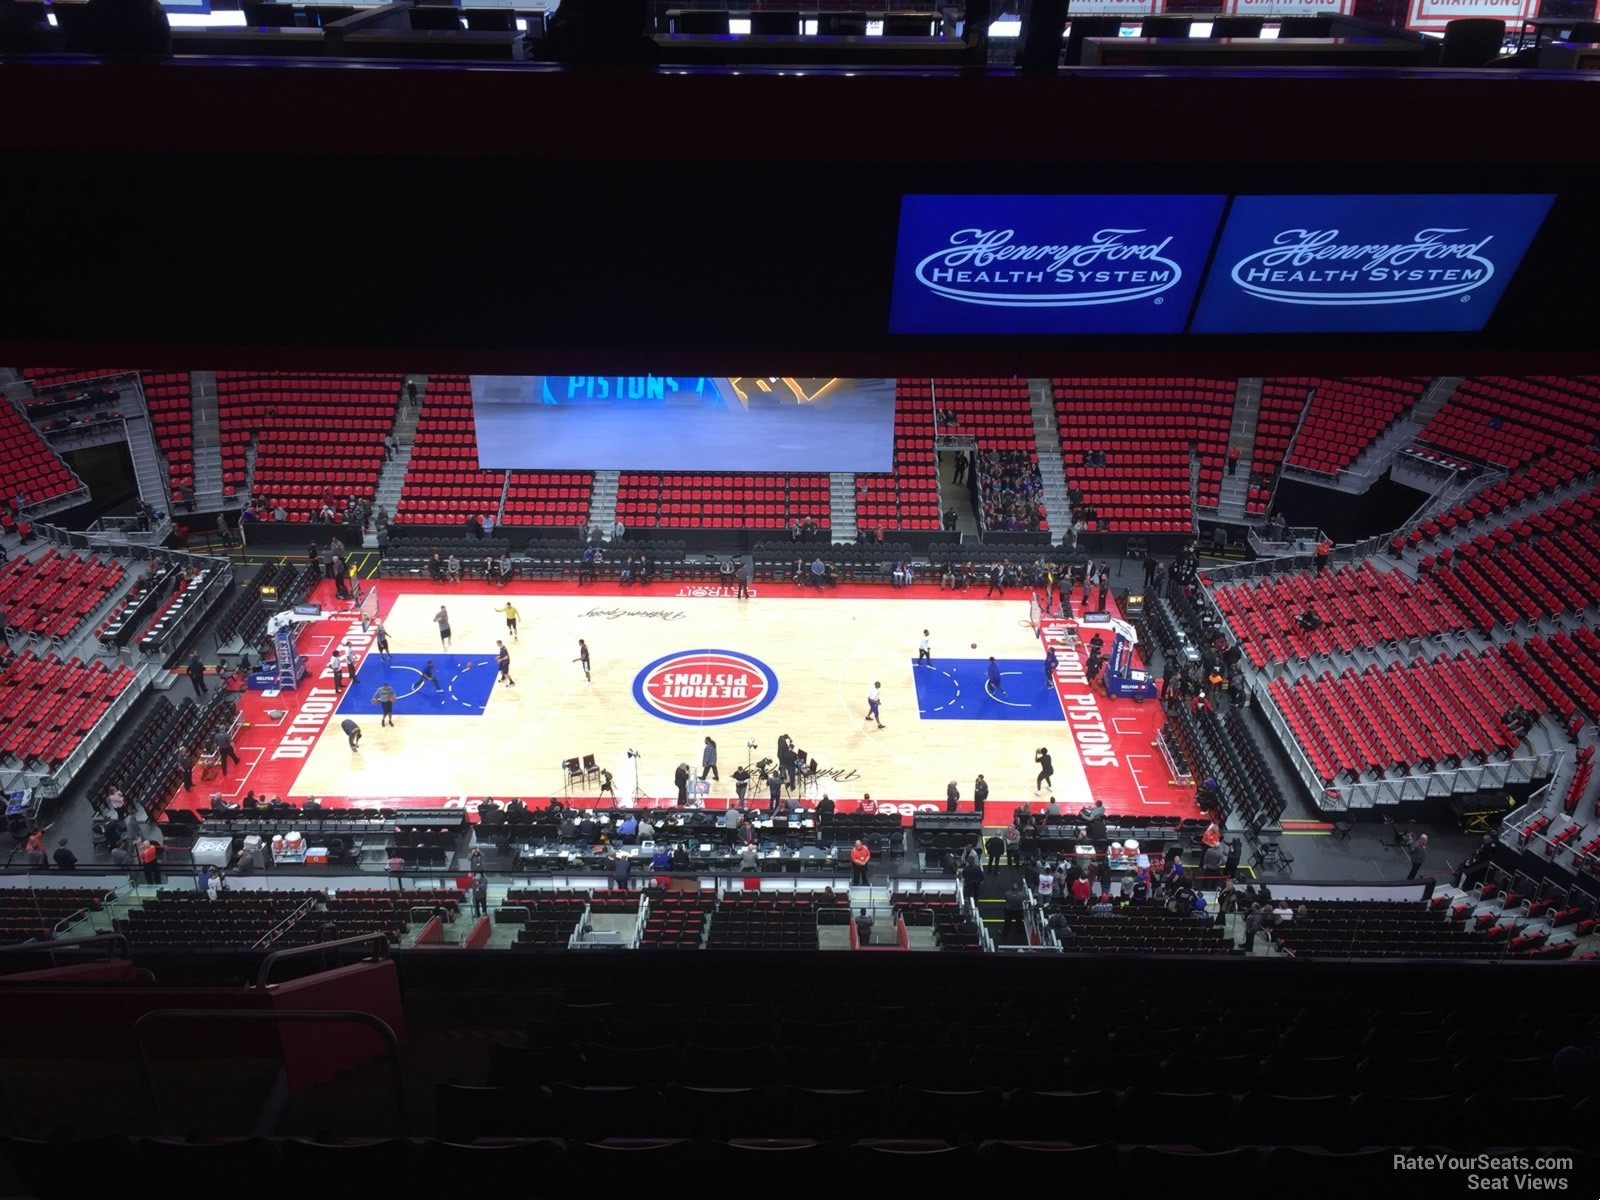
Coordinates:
671 665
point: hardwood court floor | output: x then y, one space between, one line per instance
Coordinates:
671 666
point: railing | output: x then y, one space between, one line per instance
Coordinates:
115 943
320 949
279 930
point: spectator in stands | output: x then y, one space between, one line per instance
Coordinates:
860 857
864 927
1094 818
1016 899
819 574
621 870
1233 461
279 512
119 855
1418 854
66 860
150 861
1079 889
749 860
480 894
452 569
1324 552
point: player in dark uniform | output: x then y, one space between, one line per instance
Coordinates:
1046 770
994 685
383 642
502 659
427 673
583 657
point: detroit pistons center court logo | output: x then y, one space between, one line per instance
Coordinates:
705 687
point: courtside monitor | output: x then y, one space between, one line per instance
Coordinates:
683 423
1366 264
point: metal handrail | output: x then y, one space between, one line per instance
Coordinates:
307 1016
114 940
377 938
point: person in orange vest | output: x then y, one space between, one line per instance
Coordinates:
149 862
1212 836
860 856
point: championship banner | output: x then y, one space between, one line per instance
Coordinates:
1288 8
1113 8
1431 16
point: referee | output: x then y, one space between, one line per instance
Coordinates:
502 659
511 615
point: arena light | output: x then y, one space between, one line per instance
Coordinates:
1200 29
739 25
1006 27
232 18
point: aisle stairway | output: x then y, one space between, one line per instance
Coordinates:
1241 435
842 507
391 480
1047 440
206 428
603 501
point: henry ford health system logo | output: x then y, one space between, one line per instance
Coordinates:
1313 266
705 687
990 267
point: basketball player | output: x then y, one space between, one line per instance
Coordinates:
427 674
1046 770
442 620
502 658
583 657
511 615
925 650
385 696
383 642
353 732
994 685
874 698
1050 663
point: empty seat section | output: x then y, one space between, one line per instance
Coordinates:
28 466
1345 416
908 496
690 500
319 438
1512 422
1126 446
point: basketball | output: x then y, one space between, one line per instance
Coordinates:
974 645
